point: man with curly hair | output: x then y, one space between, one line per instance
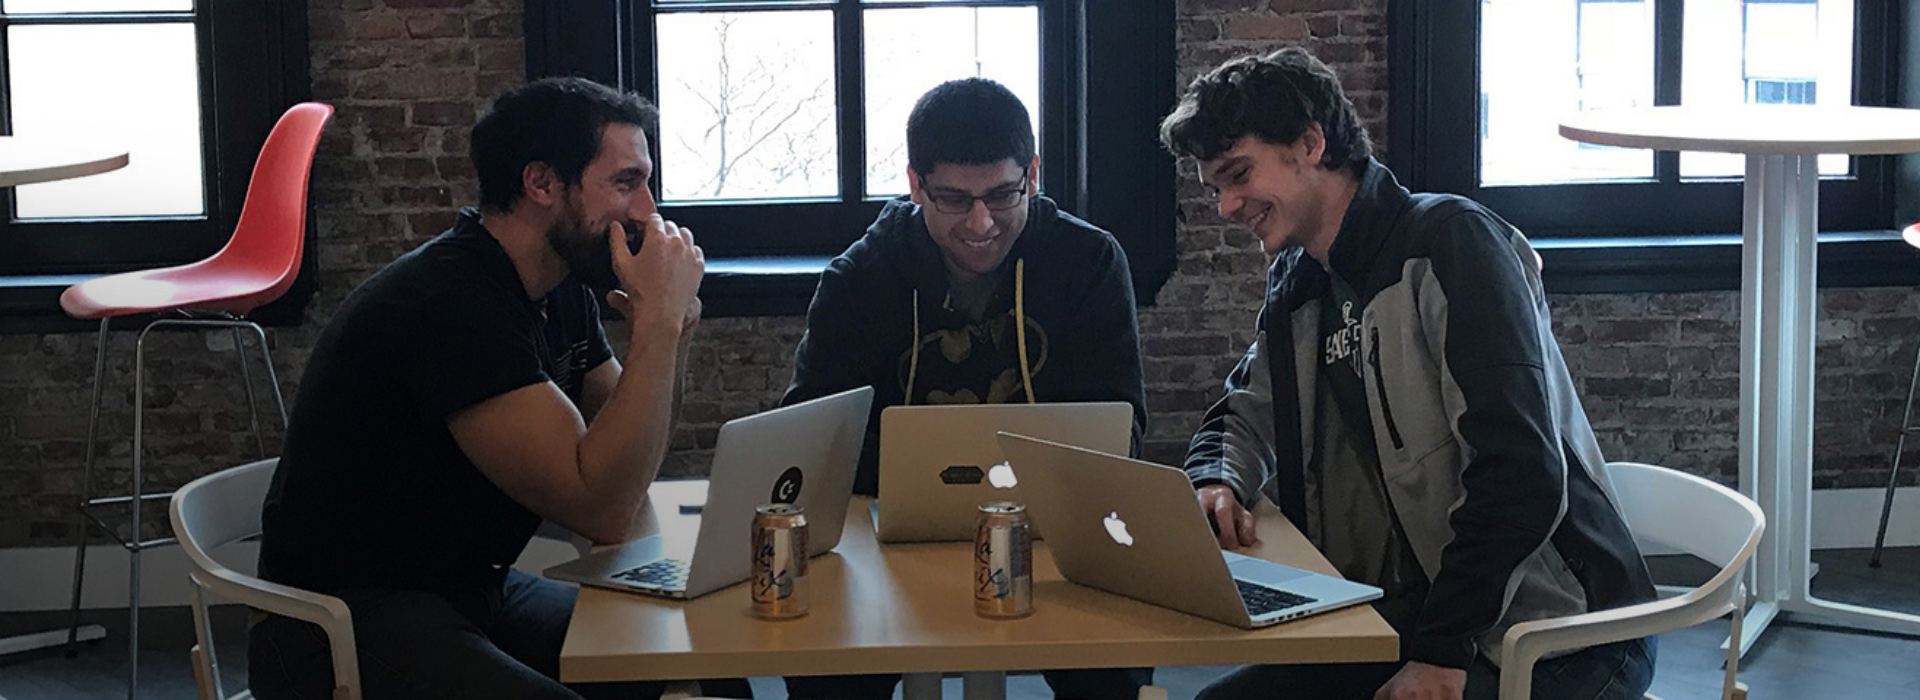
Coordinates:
1404 403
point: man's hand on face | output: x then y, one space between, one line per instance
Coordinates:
1419 681
660 280
1232 523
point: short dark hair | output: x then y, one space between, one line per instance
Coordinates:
974 121
557 121
1274 97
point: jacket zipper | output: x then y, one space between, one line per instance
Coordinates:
1380 389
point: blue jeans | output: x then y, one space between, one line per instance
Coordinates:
498 640
1618 671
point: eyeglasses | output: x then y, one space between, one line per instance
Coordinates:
961 203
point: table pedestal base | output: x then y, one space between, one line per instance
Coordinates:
1777 320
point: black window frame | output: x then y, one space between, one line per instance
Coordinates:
1669 234
1106 80
252 67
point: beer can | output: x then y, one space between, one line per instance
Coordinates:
1003 561
779 584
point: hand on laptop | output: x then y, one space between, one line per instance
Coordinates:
1232 523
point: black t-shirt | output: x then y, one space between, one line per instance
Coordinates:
372 490
1340 350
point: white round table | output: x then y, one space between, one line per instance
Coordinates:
1777 309
27 160
23 161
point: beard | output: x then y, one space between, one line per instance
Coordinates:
583 248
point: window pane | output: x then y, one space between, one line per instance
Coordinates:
29 7
747 105
66 87
1541 59
1765 52
909 51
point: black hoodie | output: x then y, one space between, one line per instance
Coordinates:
1083 340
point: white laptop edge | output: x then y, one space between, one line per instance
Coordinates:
1160 497
827 500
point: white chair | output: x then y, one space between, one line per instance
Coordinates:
1671 508
222 508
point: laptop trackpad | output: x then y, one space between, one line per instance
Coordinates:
1261 570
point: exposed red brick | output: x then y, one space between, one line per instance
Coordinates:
1266 28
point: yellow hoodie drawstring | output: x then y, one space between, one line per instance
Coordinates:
913 347
1020 323
1020 333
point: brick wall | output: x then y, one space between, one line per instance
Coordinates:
1658 372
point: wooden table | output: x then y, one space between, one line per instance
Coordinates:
909 609
1777 309
26 160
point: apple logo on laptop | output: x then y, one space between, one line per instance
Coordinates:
786 489
1001 476
1117 529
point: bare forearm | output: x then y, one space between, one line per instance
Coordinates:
622 449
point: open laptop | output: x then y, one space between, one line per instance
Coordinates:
1135 529
939 463
803 454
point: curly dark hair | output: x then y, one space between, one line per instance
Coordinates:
557 121
972 121
1274 97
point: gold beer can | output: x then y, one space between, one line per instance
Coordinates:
779 583
1003 562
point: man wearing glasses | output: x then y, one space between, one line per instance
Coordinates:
973 289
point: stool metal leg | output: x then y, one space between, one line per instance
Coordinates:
86 489
138 540
246 380
1893 473
273 379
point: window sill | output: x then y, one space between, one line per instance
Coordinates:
760 286
784 285
1603 265
31 304
757 286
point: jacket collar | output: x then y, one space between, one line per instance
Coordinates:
1369 220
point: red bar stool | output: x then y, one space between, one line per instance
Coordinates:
257 265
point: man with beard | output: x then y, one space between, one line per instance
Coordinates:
466 392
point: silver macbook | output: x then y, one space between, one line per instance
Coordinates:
1135 529
939 463
803 454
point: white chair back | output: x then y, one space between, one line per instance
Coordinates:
1683 511
223 508
1674 509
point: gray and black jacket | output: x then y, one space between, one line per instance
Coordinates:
1486 455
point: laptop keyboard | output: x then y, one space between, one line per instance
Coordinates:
665 574
1262 600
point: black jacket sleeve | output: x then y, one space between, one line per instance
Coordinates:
1102 362
839 352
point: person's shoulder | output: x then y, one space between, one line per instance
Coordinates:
1451 220
444 276
1061 233
885 246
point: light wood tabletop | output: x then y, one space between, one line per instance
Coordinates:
26 160
909 609
1751 129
